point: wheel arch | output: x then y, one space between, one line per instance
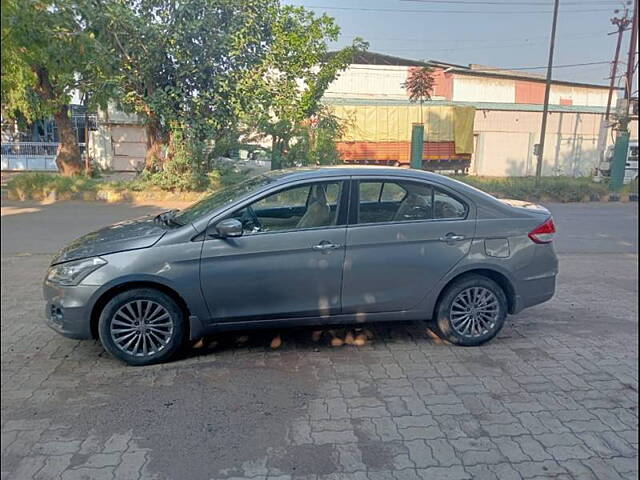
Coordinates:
500 278
114 290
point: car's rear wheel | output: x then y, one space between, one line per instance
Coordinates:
141 326
471 311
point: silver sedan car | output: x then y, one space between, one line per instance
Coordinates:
333 245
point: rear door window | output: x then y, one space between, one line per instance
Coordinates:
447 207
405 201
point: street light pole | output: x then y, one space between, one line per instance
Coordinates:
547 91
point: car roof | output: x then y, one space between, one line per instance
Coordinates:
341 170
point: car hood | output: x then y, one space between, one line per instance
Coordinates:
129 235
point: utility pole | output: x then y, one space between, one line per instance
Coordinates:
547 91
621 149
622 23
632 52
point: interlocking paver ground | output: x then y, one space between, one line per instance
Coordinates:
554 396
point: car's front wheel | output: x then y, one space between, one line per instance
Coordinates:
141 326
471 311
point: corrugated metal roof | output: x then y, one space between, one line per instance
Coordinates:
373 58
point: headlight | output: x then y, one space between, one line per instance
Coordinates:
71 273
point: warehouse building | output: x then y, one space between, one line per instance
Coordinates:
507 109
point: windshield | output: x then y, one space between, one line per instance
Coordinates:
221 198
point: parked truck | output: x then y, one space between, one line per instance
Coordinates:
381 134
603 170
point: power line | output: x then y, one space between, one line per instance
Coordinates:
570 65
473 41
470 12
458 48
508 4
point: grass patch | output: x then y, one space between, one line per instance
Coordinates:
556 189
40 186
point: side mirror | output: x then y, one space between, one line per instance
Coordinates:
228 228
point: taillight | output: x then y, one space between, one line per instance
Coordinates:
544 233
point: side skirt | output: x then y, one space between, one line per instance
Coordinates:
198 328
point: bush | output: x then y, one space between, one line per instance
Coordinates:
559 189
38 186
631 187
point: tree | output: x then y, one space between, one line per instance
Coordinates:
181 63
420 83
314 140
48 52
288 85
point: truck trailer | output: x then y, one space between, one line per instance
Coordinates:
381 134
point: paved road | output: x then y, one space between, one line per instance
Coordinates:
554 396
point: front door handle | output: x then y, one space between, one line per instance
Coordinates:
451 237
325 245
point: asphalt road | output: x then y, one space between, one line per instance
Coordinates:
39 229
554 396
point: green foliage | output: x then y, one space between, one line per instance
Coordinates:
559 189
315 141
181 61
39 186
287 86
49 49
420 84
631 187
212 68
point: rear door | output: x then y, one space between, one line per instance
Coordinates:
401 245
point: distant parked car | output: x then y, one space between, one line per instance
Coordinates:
312 246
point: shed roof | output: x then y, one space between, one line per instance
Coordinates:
374 58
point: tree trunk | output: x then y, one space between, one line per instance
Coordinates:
154 158
276 153
68 160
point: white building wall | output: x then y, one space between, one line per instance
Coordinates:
479 89
505 140
591 97
370 81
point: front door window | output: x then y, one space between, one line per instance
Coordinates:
308 206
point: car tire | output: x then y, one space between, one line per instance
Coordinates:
460 322
142 326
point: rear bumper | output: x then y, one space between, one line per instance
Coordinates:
534 291
68 309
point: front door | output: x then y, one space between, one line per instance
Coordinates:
287 263
404 238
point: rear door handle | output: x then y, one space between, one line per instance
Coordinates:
451 237
325 245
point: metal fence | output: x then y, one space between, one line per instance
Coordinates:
29 156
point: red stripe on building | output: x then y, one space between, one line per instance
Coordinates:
395 151
529 92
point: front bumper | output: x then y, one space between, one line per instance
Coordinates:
68 309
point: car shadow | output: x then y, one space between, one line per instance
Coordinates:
313 338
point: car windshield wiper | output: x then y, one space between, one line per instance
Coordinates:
168 218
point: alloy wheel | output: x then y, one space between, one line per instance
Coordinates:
474 312
141 328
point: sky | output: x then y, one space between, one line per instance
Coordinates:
499 33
